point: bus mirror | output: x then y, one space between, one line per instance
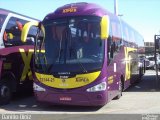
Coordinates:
104 27
26 28
10 36
43 30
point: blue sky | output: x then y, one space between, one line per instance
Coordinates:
143 15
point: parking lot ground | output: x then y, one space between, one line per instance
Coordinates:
141 98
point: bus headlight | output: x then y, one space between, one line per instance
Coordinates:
38 88
99 87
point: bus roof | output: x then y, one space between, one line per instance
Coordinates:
6 12
76 9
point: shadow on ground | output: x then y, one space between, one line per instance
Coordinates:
25 103
21 103
149 83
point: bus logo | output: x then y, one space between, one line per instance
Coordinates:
128 62
26 59
63 80
70 10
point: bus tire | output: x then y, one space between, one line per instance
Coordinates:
139 79
5 93
120 89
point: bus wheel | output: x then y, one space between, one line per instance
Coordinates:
5 93
120 89
140 74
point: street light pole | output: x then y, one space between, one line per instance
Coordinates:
116 7
157 47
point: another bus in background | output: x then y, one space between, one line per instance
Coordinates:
15 56
87 56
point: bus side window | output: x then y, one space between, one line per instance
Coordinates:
110 49
111 43
114 41
116 35
12 34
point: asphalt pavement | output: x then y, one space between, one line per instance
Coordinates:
139 102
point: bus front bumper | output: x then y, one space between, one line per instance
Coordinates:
72 98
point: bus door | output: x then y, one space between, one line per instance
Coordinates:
111 69
114 57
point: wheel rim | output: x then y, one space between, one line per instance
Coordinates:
5 92
120 86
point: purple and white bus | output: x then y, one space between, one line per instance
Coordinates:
84 55
15 56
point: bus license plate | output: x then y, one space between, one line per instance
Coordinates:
65 98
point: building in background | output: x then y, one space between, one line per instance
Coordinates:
149 48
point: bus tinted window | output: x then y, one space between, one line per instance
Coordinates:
73 41
2 19
31 35
12 34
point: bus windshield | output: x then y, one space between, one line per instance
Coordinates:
2 19
72 44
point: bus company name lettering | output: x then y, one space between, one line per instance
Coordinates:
110 80
82 79
69 10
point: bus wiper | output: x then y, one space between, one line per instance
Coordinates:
60 49
60 54
81 65
71 50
